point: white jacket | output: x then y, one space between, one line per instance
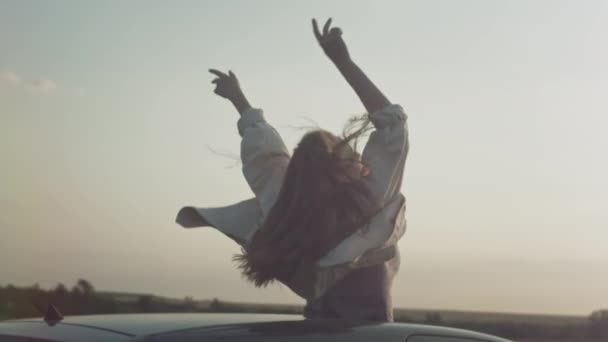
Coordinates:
265 159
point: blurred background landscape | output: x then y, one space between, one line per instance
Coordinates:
109 124
83 299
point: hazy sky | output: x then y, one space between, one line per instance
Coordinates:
108 122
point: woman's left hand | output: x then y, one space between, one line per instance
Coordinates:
331 41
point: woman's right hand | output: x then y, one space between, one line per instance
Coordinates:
331 41
228 87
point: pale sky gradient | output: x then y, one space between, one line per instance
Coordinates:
107 118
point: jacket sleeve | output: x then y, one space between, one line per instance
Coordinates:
385 153
264 157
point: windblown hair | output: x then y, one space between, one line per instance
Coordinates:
320 204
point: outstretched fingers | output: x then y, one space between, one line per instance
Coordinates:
326 27
315 29
217 73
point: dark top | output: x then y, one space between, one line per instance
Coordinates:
364 294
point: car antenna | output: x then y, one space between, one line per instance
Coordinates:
52 316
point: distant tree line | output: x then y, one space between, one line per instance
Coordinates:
83 299
23 302
596 327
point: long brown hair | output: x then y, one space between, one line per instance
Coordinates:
321 202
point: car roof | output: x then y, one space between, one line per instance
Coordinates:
170 326
151 323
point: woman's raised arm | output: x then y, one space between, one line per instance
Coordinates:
335 48
388 145
263 153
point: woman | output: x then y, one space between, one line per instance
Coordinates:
325 221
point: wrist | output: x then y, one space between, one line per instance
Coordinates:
342 61
240 102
